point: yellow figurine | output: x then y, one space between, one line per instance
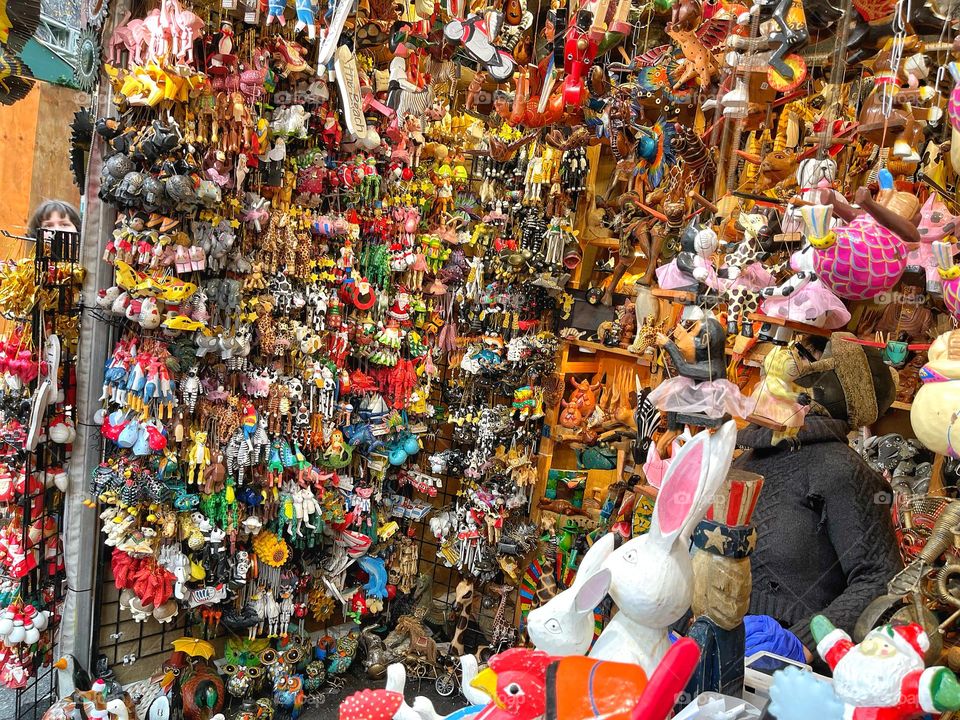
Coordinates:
198 457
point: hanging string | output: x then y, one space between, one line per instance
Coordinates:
837 71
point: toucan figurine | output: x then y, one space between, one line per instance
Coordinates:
72 675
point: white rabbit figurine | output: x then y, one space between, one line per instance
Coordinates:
652 575
564 625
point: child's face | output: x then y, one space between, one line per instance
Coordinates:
58 221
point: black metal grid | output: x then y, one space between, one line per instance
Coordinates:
123 643
119 641
57 259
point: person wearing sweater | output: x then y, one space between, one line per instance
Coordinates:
825 543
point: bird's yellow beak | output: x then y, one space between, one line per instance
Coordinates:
167 680
61 664
486 681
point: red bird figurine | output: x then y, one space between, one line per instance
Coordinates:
516 680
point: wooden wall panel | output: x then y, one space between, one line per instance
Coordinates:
34 157
52 178
18 133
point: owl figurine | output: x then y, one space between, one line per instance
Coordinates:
340 660
288 695
314 677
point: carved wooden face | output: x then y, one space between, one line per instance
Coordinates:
686 341
721 588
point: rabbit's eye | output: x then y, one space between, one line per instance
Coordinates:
554 627
631 557
513 689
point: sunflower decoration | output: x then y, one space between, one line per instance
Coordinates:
87 72
16 80
321 605
81 135
96 12
18 22
271 549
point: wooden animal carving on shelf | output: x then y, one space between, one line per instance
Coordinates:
699 164
700 65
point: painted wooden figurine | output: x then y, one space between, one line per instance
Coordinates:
722 580
881 678
777 397
699 394
651 577
867 254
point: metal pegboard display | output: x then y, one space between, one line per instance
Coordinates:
39 428
133 650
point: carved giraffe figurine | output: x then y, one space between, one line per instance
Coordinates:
463 608
547 587
502 630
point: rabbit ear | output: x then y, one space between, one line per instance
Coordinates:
679 489
690 482
594 558
722 444
592 591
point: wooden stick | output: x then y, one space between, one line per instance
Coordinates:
697 197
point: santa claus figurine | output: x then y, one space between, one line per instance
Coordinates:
883 678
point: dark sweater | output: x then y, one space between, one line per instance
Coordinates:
825 539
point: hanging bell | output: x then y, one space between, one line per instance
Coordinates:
17 634
31 635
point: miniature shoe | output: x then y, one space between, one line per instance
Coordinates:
51 353
38 410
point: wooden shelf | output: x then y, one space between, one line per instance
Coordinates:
610 243
593 347
791 325
675 295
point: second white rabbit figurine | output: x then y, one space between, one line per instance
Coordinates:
564 625
651 576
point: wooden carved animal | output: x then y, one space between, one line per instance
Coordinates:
584 396
129 35
462 607
157 34
570 415
696 156
203 692
580 137
505 151
775 167
560 507
420 643
700 65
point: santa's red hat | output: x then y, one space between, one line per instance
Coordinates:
906 638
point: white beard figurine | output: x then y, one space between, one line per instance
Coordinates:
882 678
